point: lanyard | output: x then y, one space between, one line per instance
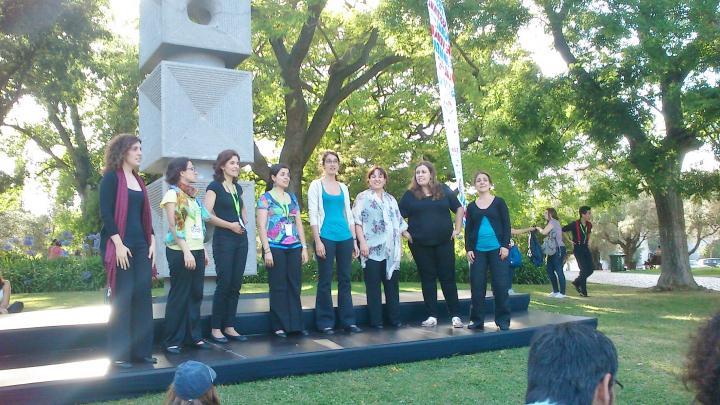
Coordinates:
583 229
285 208
236 202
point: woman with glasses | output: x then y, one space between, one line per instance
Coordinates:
333 228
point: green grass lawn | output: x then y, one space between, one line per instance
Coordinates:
697 272
649 329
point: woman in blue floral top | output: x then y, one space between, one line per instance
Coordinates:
378 226
285 251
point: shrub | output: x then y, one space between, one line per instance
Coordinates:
36 275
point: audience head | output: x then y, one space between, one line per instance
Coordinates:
280 175
226 163
180 168
571 364
193 384
703 363
425 177
123 149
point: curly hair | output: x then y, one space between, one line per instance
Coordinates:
435 187
703 363
116 150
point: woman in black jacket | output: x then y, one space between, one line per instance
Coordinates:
487 242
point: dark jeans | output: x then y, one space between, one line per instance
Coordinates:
182 311
285 280
584 260
130 327
230 256
500 282
555 270
374 278
341 253
433 263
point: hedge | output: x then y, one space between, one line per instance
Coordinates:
37 275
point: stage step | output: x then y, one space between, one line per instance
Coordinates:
84 375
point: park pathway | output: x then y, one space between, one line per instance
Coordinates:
638 280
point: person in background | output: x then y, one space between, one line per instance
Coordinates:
333 228
427 205
128 249
555 262
285 251
223 200
193 385
580 231
55 251
571 364
5 306
186 257
702 373
379 227
487 243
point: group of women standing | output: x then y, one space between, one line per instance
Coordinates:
371 229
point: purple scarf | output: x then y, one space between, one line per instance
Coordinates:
121 212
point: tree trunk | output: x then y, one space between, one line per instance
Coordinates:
673 241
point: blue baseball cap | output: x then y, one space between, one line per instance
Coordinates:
193 379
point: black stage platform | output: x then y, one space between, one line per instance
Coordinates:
58 357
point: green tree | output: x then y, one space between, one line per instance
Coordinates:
627 226
626 60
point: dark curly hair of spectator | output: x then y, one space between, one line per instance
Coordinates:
703 363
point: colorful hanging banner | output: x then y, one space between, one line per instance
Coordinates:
446 82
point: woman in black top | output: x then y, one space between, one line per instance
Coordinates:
128 247
427 205
487 242
223 199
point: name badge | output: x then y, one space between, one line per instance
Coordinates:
196 231
288 229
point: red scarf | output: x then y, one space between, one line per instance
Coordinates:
121 211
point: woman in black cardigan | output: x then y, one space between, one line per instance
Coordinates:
487 242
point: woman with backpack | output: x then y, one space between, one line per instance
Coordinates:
554 249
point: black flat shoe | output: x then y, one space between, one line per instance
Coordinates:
328 331
147 360
173 350
237 338
222 339
122 364
280 333
304 333
353 329
504 327
476 326
397 324
201 345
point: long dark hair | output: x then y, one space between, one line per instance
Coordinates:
177 165
553 212
116 150
222 158
435 187
274 170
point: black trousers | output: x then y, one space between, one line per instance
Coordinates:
341 253
433 263
585 263
374 278
130 327
285 280
500 282
182 312
230 255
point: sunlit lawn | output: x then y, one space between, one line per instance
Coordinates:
697 272
650 330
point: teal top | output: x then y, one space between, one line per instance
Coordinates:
335 226
486 238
